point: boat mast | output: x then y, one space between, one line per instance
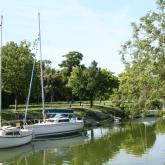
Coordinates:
41 68
1 72
29 93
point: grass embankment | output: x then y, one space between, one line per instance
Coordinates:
98 114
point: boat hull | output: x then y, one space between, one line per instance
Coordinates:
7 142
53 129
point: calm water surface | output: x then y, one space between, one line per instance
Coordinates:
139 142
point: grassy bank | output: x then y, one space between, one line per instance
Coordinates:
99 113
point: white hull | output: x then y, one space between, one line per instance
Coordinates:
48 128
12 136
7 142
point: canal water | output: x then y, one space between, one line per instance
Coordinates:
140 142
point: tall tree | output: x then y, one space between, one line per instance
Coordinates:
144 58
92 75
54 84
78 81
73 59
91 83
83 82
106 82
17 61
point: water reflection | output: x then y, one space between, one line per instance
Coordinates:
137 139
160 126
102 145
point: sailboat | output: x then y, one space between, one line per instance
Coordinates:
58 122
11 136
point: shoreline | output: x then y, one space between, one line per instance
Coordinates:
95 116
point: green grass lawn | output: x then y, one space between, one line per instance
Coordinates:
99 111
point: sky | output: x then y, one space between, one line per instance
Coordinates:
95 28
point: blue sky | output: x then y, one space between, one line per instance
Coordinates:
96 28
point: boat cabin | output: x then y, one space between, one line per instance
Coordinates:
59 115
10 131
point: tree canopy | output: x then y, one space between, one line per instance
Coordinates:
142 82
92 82
73 59
17 61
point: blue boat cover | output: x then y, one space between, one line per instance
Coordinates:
58 111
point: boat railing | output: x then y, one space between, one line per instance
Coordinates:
20 123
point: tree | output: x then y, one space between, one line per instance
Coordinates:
91 82
144 57
54 84
17 61
83 82
106 82
73 59
78 82
91 76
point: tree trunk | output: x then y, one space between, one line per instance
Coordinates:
51 97
38 99
16 103
100 100
72 98
92 135
80 100
91 102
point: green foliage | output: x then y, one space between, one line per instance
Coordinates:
92 77
73 59
74 80
83 82
144 57
106 82
54 84
77 82
90 83
17 61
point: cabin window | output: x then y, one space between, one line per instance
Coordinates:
9 133
50 115
64 115
72 116
16 133
51 121
63 120
13 133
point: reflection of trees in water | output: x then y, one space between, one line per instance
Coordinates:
33 158
44 157
138 138
99 151
132 137
160 126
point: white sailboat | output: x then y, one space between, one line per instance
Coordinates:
59 122
11 136
62 122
